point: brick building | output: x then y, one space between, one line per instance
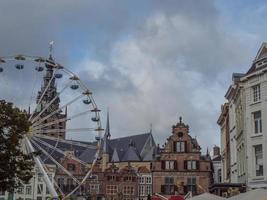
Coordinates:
120 183
180 167
145 183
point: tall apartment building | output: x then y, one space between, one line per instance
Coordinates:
247 136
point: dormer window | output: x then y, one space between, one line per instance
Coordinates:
261 64
180 146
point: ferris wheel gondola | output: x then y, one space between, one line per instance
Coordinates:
60 89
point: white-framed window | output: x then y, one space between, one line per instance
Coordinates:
46 190
40 189
258 160
180 146
128 190
256 91
148 189
257 122
28 189
20 190
169 164
148 180
112 189
191 165
142 190
40 177
142 180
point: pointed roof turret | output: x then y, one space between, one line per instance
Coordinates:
131 154
107 131
115 156
262 52
106 135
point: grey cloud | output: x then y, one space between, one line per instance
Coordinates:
158 59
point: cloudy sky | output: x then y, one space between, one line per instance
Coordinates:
149 61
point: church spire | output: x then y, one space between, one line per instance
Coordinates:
107 131
107 134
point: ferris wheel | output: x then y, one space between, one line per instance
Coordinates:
61 110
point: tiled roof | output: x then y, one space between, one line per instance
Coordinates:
85 151
131 154
130 148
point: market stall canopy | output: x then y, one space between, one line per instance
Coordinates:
258 194
207 196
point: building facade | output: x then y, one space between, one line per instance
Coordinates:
217 165
180 167
223 121
248 95
144 183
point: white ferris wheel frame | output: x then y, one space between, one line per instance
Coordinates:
32 138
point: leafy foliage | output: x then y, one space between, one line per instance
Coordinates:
15 166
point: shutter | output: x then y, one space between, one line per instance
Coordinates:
162 189
185 164
185 146
163 164
197 164
174 147
175 165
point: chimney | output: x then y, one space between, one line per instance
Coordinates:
216 151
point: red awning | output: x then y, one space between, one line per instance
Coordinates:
156 198
176 198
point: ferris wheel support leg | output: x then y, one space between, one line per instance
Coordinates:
47 181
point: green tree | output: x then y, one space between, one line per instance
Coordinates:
15 166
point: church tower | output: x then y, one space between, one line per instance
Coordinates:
47 94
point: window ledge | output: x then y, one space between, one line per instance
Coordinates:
256 135
255 103
258 178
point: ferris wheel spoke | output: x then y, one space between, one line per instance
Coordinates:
41 168
60 151
33 88
49 104
54 161
46 116
55 182
85 145
60 120
38 122
85 177
41 131
45 90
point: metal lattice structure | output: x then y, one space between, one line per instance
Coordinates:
62 106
